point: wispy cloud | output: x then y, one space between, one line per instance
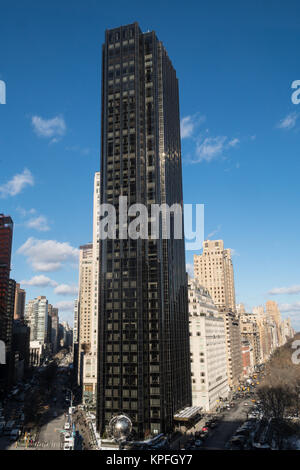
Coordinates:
294 307
39 281
17 184
207 147
48 255
289 121
53 129
39 223
24 212
210 148
44 281
65 289
234 252
189 124
214 232
233 142
285 290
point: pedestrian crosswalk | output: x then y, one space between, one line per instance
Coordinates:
39 445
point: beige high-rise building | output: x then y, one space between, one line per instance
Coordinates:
287 330
87 305
76 322
274 331
20 300
214 270
234 348
272 311
85 309
250 333
240 309
92 365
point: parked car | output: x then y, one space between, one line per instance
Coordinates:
198 443
237 442
213 424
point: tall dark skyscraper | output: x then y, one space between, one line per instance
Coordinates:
6 233
144 358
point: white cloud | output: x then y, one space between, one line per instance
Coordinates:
210 148
288 122
186 127
214 232
25 213
190 269
188 124
39 281
233 142
39 223
65 289
17 184
294 307
285 290
48 255
53 128
65 305
234 252
207 148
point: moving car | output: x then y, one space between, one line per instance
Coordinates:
237 442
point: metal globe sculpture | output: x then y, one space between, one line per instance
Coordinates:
120 427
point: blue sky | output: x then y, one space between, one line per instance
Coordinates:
241 133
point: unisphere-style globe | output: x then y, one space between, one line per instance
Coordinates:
120 427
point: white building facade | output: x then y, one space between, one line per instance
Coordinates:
208 349
36 315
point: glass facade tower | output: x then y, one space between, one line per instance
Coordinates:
143 352
6 234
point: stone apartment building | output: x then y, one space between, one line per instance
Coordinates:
208 348
213 269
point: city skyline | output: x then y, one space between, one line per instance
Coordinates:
250 200
149 285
